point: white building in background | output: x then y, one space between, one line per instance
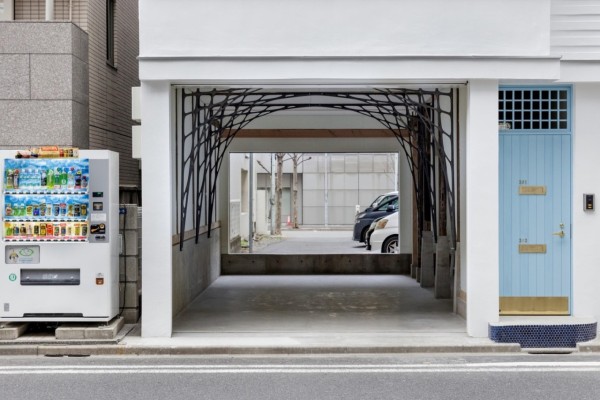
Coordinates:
527 80
330 187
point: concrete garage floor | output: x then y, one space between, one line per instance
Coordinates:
331 304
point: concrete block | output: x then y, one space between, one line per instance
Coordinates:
12 330
14 76
80 81
132 264
131 218
36 38
131 243
36 122
427 267
80 129
128 269
443 276
105 332
131 315
51 77
131 293
70 332
79 43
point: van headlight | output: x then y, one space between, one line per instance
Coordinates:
381 224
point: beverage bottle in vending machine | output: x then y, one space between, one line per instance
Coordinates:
43 179
10 179
71 178
63 178
50 178
78 179
57 178
37 178
16 179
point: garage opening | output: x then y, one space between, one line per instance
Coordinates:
217 125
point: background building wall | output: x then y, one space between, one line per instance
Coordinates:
44 84
106 121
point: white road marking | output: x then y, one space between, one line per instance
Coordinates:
304 369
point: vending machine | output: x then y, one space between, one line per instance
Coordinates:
60 240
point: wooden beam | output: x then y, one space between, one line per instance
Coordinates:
316 133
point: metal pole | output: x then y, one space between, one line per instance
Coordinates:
326 189
251 204
49 10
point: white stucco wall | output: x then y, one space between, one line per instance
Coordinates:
586 179
344 27
480 246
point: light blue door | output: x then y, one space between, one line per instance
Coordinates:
535 223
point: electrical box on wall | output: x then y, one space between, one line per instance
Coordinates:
588 202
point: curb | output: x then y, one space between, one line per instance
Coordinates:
121 350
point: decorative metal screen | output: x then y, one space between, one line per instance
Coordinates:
421 120
534 109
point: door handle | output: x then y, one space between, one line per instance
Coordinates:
560 234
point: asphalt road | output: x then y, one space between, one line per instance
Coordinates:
456 376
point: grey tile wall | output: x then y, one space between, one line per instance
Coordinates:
14 76
104 90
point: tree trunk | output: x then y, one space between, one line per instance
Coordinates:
278 189
295 159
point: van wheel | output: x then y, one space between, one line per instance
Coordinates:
390 245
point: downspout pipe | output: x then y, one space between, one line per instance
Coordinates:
49 10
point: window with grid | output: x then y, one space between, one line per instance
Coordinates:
534 109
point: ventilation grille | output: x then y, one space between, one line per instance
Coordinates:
531 109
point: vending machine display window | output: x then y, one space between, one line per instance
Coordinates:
46 200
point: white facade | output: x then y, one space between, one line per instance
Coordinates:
471 45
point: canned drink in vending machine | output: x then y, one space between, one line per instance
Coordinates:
49 230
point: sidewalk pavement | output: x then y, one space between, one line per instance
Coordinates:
129 342
275 344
